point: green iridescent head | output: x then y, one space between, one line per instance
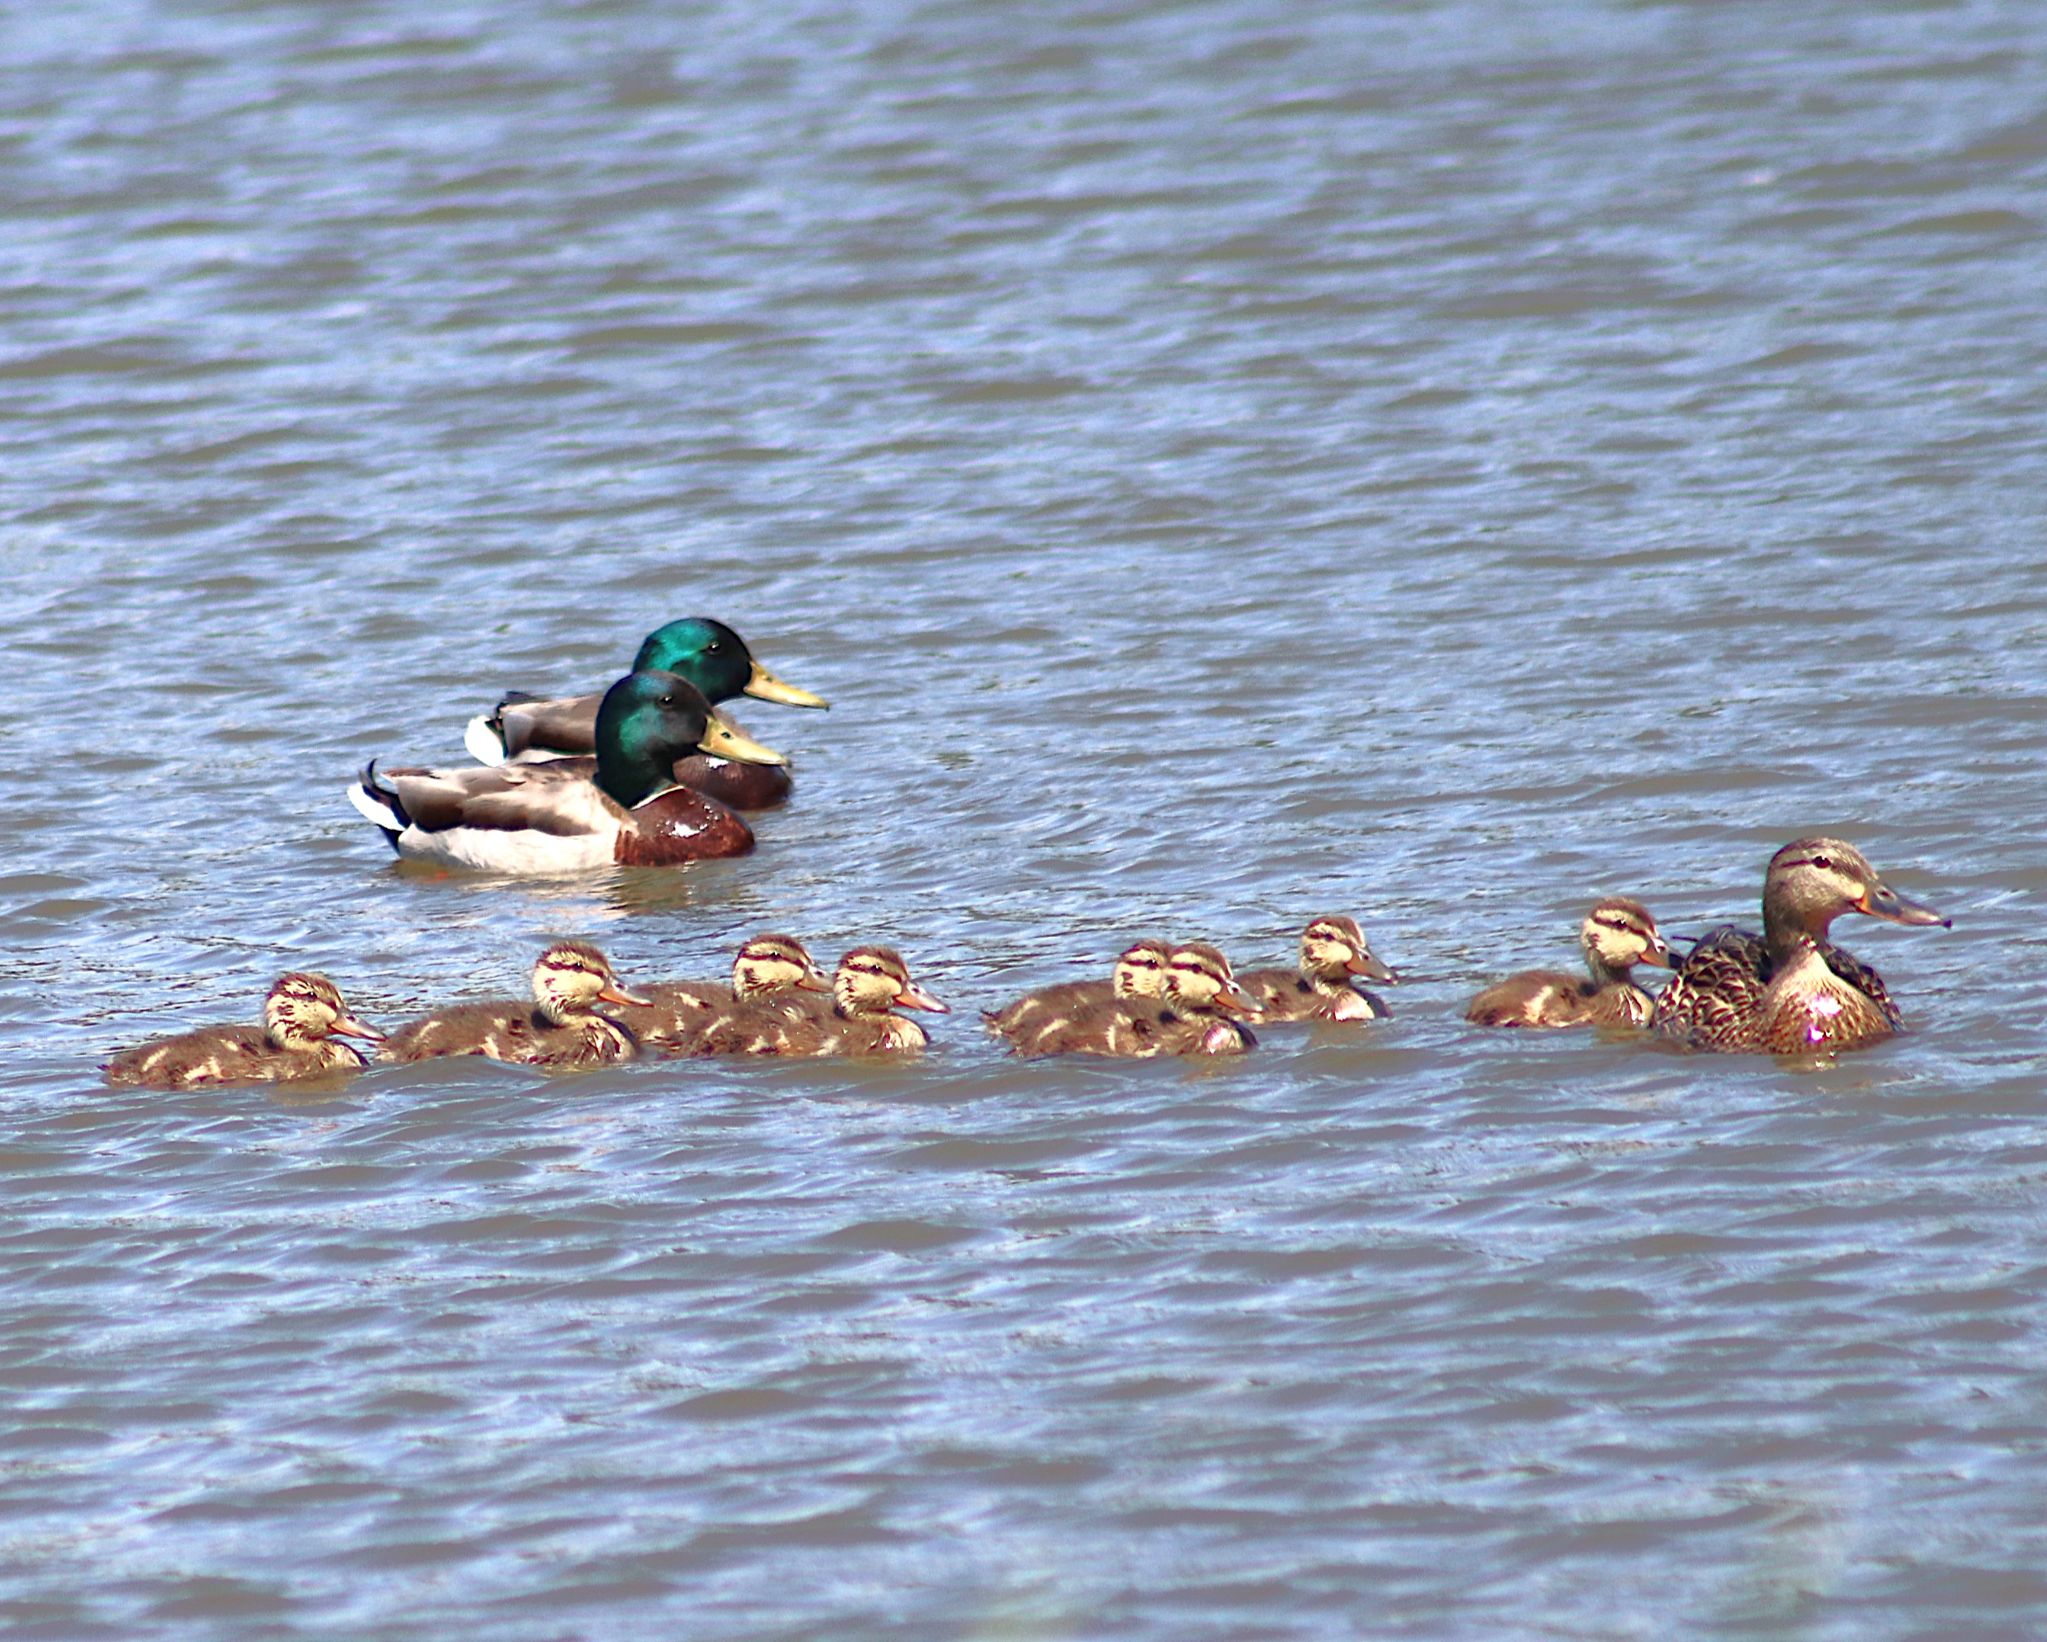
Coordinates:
716 660
648 720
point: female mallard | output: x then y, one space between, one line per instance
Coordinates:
1616 935
301 1018
767 969
561 1030
870 984
1139 972
1333 950
1193 1018
526 729
1790 989
571 814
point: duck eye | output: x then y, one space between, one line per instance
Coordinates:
1824 863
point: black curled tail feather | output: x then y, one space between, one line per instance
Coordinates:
379 804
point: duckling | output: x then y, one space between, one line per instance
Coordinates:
1192 1019
561 1030
767 969
1139 972
528 729
1737 991
1616 935
1332 951
301 1018
573 814
870 983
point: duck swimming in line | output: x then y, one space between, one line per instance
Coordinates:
1617 934
1790 990
561 1030
621 807
1193 1018
302 1016
1321 988
530 729
682 1015
869 986
1139 972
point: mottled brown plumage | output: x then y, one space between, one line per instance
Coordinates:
1192 1019
561 1030
1322 987
301 1018
1617 934
1740 992
870 984
1139 972
699 1017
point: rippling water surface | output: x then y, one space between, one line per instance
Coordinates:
1225 463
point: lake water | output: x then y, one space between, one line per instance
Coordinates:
1225 463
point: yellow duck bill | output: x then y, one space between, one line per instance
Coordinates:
767 687
724 739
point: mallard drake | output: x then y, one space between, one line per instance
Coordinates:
571 814
1139 972
1617 934
1321 988
767 968
1192 1019
530 729
301 1018
870 984
561 1029
1738 991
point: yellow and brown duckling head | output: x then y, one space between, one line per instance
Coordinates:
571 979
874 980
1333 950
1199 980
766 965
1812 881
1617 934
1140 970
303 1011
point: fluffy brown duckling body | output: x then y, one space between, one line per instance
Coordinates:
1195 1017
1790 990
869 986
1617 934
1139 973
696 1017
1323 986
560 1030
302 1016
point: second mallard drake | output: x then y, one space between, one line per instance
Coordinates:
1323 986
1617 934
524 729
622 807
1790 990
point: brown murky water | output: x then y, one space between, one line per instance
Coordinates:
1225 463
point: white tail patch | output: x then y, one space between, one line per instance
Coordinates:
377 811
484 744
